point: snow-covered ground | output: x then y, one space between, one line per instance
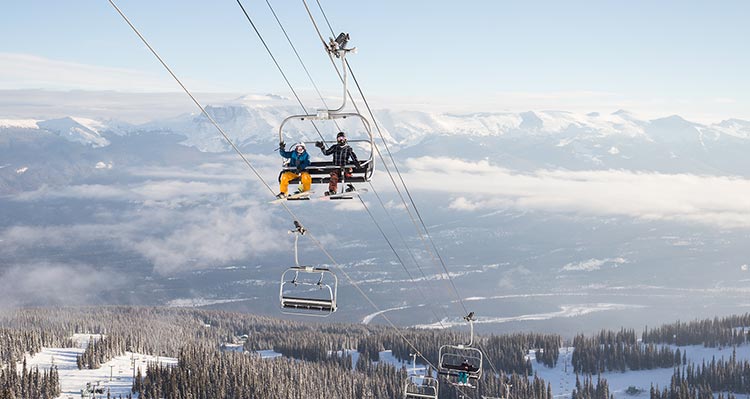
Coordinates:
563 379
121 369
268 354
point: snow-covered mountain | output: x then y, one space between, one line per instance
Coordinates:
252 122
78 130
523 141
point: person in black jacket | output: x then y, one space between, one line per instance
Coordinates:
341 152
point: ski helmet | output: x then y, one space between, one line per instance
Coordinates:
300 144
341 137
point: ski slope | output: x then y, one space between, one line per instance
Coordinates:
121 369
117 374
563 379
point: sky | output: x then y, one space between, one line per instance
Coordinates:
653 58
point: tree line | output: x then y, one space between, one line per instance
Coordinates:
28 383
620 351
100 351
729 375
589 390
716 332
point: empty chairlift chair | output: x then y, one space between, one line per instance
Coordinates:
307 290
420 386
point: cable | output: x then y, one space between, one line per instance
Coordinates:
372 115
392 160
406 189
289 40
403 240
278 66
247 162
312 81
326 18
399 259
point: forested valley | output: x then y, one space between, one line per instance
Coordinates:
318 358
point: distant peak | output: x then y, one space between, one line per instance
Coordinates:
254 98
531 121
673 119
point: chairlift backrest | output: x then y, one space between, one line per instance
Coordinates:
307 290
421 387
320 169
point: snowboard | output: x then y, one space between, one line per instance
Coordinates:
303 196
346 195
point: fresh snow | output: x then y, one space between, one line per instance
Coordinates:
19 123
561 376
563 379
570 310
227 347
80 130
268 354
122 368
198 302
255 119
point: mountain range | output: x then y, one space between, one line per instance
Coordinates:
522 141
541 215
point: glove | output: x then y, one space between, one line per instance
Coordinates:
320 144
282 145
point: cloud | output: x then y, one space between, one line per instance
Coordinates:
150 192
55 284
69 236
207 239
591 264
711 200
27 71
30 71
174 240
89 191
174 189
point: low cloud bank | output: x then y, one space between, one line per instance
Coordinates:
713 200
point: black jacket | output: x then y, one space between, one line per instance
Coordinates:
341 154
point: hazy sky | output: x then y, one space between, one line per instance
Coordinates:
653 58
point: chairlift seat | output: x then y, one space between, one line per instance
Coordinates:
453 356
307 290
324 305
426 389
320 172
457 367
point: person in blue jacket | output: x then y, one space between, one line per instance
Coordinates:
299 159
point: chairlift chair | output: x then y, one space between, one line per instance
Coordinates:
320 170
420 386
307 290
461 358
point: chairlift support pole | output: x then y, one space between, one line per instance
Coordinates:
299 230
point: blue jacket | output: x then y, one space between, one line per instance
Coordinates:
298 161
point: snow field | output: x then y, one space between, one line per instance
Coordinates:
121 369
563 379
